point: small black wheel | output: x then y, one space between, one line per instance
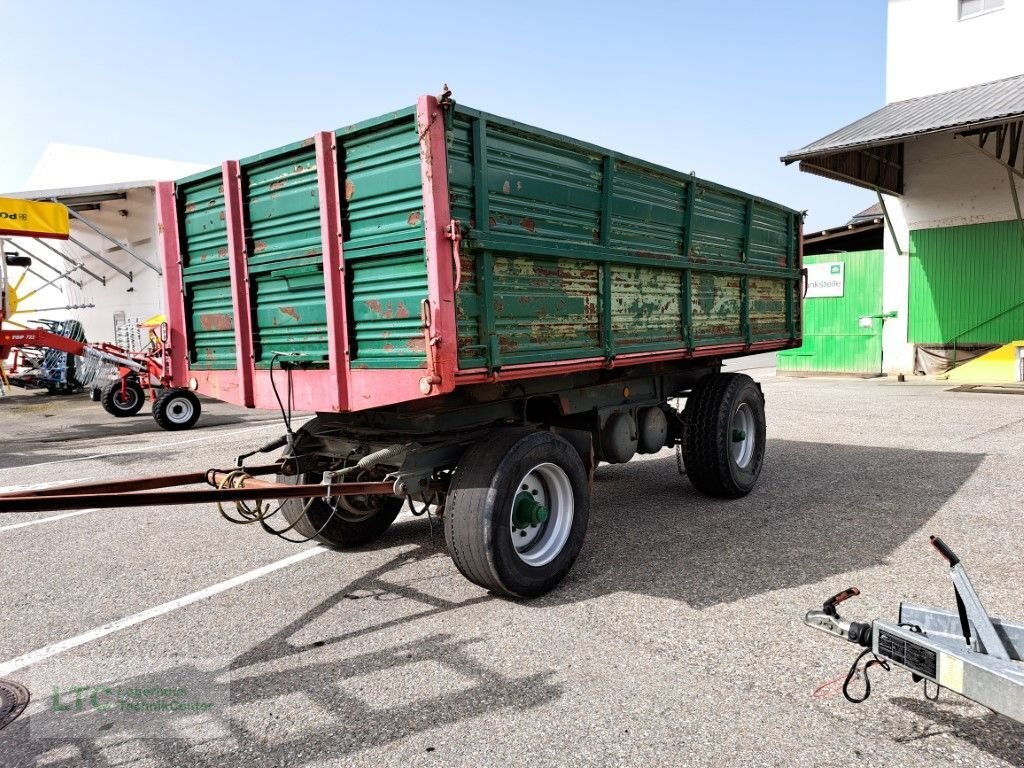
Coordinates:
123 402
176 409
724 440
357 519
517 512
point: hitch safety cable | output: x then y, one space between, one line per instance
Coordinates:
867 680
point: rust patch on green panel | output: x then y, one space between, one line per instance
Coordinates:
767 304
542 308
716 306
216 321
646 305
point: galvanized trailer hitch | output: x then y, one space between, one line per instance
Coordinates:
967 652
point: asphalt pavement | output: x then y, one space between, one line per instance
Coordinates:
677 639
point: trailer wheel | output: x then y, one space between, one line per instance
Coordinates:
725 435
517 512
357 519
176 409
127 403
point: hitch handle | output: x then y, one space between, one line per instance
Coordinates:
944 550
829 605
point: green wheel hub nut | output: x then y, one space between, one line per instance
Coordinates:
527 511
738 435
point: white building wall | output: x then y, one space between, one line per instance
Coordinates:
930 50
946 183
897 352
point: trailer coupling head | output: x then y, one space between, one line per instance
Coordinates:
827 619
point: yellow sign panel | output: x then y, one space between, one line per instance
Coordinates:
28 218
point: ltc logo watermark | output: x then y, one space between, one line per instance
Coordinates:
103 698
149 697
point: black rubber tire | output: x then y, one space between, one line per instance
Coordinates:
478 510
336 528
134 397
176 409
707 444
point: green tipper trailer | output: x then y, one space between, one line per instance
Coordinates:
479 311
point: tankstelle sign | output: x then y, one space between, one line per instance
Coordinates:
27 218
825 280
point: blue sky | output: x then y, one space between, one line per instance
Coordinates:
722 89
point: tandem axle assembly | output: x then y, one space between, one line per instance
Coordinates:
967 651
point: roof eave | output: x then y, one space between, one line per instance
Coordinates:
805 154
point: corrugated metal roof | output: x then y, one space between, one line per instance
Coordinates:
975 105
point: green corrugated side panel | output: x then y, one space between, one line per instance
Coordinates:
647 210
206 279
385 256
545 191
833 340
285 254
967 284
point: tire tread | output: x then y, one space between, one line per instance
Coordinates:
706 447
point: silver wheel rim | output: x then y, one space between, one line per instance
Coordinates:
540 543
179 410
126 400
742 434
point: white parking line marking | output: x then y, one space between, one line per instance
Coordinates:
47 519
34 657
35 486
163 446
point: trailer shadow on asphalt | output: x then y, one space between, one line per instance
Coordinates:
821 510
317 679
999 736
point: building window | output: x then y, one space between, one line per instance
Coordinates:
970 8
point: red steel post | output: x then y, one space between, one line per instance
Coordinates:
235 218
176 359
334 266
442 353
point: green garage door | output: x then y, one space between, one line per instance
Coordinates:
835 338
967 284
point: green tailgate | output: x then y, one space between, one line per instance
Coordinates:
573 251
381 196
